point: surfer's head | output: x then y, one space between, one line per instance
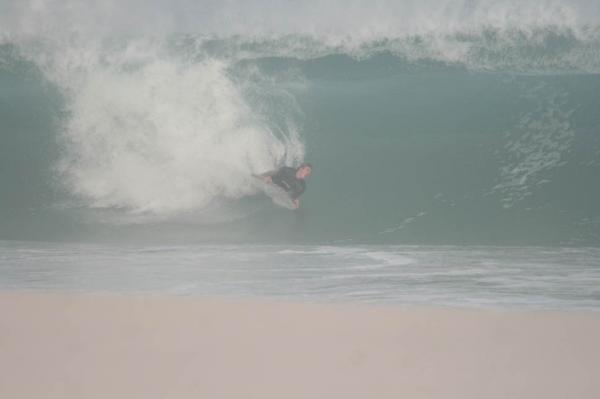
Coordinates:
303 171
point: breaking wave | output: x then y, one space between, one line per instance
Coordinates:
424 118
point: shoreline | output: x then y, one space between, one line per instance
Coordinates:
84 345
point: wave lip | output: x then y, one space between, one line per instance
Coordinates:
522 36
335 19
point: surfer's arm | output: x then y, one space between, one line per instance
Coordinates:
296 203
267 174
267 177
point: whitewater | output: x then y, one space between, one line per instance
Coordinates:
461 135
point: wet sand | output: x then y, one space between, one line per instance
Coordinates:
110 346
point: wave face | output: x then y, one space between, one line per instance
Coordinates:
448 122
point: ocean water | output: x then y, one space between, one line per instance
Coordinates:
480 277
431 124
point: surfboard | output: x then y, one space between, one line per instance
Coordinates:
277 194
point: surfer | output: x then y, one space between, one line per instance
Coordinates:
291 180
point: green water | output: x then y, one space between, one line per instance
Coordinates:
404 152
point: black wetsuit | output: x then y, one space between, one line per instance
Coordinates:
286 179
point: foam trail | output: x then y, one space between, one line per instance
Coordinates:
536 146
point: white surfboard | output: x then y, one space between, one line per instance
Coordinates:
276 193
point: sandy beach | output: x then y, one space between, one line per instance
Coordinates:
109 346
